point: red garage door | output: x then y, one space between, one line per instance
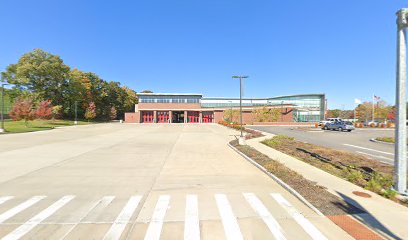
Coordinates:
208 117
162 117
193 117
147 117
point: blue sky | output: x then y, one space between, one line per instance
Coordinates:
346 49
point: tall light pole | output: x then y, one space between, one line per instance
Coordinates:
230 102
400 163
241 139
2 107
76 111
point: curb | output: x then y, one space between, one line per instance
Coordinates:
279 181
376 141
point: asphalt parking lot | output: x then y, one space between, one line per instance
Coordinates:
357 141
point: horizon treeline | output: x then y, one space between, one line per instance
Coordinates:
43 76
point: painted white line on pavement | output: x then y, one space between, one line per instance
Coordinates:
10 213
192 223
266 216
5 199
154 230
376 156
37 219
116 230
369 149
229 221
104 201
309 228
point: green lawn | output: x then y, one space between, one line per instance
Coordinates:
37 125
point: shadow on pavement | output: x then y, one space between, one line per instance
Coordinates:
366 218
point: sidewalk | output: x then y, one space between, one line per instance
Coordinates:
382 215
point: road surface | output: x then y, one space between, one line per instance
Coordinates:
357 141
158 181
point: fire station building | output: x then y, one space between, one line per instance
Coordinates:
194 108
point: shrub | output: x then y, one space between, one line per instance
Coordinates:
44 110
90 112
356 177
389 193
23 110
56 111
372 125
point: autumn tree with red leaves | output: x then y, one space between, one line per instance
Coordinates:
44 110
23 110
90 112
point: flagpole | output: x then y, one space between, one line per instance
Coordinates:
373 109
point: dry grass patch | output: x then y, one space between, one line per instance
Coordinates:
318 196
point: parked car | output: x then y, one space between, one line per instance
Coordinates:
340 126
371 123
329 120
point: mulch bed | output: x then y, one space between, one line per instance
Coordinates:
318 196
337 162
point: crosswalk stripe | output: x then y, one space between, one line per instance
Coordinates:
154 230
104 201
123 218
10 213
34 221
192 223
229 221
299 218
5 199
266 216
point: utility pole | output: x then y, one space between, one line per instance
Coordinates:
241 138
400 167
373 109
76 113
2 129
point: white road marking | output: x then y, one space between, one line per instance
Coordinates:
229 221
104 201
123 218
266 216
376 156
10 213
192 223
309 228
369 149
5 199
34 221
154 230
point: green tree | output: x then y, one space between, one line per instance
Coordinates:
265 114
41 73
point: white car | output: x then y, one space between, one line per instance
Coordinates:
330 120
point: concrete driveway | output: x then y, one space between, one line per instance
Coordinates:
126 181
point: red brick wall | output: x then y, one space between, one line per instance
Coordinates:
132 117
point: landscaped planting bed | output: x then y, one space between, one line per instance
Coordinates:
318 196
360 170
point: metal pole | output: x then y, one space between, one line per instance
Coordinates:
373 110
240 103
400 162
2 108
76 115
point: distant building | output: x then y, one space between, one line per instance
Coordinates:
194 108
